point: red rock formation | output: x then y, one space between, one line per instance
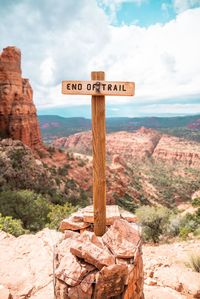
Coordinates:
128 145
173 149
144 143
18 118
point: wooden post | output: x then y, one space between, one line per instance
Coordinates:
98 88
99 157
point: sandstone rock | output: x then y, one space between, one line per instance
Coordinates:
179 279
77 216
156 292
139 144
92 254
4 293
173 149
121 239
26 265
18 119
61 290
84 290
110 281
112 213
69 224
71 271
91 237
150 282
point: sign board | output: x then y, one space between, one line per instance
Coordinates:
98 88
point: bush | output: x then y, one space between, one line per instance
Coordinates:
194 262
154 222
190 223
31 208
11 226
173 228
58 213
184 232
63 171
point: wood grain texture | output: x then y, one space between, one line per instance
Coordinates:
99 159
109 88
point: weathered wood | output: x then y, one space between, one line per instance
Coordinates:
99 159
109 88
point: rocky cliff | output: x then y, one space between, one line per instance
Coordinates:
18 119
139 145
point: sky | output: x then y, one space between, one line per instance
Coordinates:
154 43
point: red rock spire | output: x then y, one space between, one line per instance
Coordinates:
18 118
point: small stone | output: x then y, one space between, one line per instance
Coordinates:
150 282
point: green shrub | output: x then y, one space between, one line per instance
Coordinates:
11 226
190 223
63 171
184 232
31 208
154 221
126 202
58 213
17 157
196 202
173 228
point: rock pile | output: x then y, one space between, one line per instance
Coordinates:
110 266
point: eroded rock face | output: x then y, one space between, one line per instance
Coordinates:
173 149
18 119
144 143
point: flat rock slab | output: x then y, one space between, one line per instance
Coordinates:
73 225
92 254
122 239
112 213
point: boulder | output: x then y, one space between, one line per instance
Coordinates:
26 264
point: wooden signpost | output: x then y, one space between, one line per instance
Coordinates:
98 88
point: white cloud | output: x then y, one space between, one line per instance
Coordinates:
182 5
162 59
71 40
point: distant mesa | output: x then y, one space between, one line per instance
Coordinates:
18 118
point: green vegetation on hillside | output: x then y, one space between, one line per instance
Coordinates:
162 223
53 126
30 212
